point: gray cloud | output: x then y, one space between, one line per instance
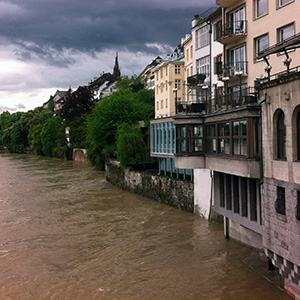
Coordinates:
47 28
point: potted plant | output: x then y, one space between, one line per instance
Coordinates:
192 80
201 78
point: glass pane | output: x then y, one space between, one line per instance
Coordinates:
198 145
236 126
243 146
236 147
182 131
183 146
243 128
262 7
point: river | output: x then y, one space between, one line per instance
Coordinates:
66 233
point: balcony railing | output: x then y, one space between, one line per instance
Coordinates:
195 103
233 28
235 68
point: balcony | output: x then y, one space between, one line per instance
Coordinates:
196 103
226 3
233 31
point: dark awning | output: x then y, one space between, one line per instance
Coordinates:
289 44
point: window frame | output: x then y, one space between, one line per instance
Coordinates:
256 48
280 5
280 205
188 138
260 15
280 137
280 37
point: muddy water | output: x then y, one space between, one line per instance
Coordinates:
66 233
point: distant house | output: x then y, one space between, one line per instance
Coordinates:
105 85
148 73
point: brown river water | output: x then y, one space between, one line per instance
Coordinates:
66 233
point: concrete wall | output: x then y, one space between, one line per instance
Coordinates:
176 193
202 192
243 234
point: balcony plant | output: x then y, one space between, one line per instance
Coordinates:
201 78
192 80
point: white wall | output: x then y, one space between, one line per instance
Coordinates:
202 192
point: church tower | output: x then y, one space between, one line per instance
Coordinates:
117 71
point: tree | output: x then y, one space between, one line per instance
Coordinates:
133 84
53 138
121 107
131 148
77 103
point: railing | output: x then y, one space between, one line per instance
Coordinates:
235 68
233 28
203 104
278 76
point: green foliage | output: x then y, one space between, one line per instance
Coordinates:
35 138
133 84
51 104
121 107
53 138
131 148
78 131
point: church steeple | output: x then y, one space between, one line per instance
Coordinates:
117 71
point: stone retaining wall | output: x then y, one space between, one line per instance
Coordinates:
170 191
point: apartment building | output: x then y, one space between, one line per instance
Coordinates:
148 73
220 138
169 89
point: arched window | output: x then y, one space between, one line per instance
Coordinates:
281 136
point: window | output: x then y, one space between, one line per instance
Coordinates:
177 84
218 67
202 36
281 136
224 138
286 32
284 2
236 195
261 43
237 59
239 137
181 139
244 197
280 201
211 139
297 209
166 103
195 138
203 65
228 191
253 200
157 105
217 30
177 69
161 104
222 185
261 8
189 138
237 22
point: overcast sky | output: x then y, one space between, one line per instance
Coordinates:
47 45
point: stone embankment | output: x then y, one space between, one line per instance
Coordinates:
176 193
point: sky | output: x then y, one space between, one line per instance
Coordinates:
46 45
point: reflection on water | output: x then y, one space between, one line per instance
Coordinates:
66 233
